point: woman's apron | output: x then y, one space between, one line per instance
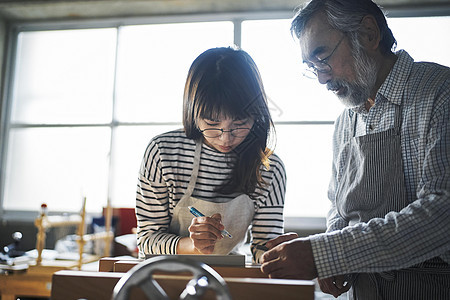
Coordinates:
237 213
371 185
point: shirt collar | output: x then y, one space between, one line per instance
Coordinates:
394 85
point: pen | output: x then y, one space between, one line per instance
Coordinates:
196 213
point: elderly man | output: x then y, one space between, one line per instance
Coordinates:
388 232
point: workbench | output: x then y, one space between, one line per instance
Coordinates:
246 282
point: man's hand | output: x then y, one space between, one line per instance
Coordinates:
289 258
281 239
336 285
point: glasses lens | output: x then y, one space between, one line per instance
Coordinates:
309 71
237 132
212 133
310 74
240 132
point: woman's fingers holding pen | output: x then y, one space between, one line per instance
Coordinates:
205 231
218 221
214 224
214 221
208 226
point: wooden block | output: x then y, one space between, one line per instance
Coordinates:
252 271
106 264
111 264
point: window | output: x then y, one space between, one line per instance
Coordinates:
424 38
83 104
303 111
58 143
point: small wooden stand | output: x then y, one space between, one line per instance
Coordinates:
44 222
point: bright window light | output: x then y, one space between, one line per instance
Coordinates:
64 76
305 149
57 166
153 63
424 38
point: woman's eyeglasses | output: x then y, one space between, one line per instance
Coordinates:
216 132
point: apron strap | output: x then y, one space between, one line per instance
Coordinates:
195 168
398 118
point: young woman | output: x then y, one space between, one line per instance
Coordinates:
219 163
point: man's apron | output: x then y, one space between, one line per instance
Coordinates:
371 185
237 213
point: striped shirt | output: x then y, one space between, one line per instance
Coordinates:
420 231
163 179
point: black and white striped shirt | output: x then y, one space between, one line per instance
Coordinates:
163 179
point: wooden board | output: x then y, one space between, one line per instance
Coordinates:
243 272
31 285
99 285
35 281
111 264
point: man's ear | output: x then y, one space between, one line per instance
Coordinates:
370 32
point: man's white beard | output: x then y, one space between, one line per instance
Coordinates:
357 93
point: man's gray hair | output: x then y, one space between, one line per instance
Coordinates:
346 16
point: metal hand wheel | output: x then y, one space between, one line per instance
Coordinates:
141 275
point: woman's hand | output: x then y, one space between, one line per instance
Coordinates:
204 233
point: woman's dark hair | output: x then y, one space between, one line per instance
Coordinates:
226 82
346 16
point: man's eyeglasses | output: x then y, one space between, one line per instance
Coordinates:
216 132
312 69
